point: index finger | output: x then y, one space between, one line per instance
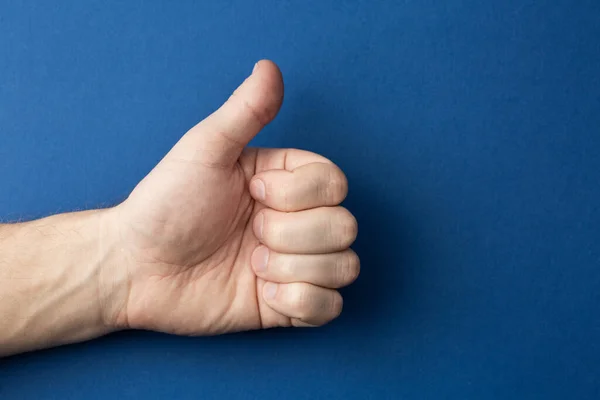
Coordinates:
308 186
286 159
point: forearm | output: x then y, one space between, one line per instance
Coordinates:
57 281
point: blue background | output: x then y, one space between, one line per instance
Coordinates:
470 133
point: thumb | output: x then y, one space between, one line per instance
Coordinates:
220 138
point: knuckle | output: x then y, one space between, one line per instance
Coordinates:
336 188
337 304
262 115
348 227
299 301
348 267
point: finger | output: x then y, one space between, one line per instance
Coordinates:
334 270
309 186
220 138
307 303
317 231
288 159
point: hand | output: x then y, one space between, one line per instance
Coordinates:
219 238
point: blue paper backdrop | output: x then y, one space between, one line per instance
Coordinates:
470 133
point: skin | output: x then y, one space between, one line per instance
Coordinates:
219 237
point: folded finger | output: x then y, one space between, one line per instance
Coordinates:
316 231
304 302
334 270
308 186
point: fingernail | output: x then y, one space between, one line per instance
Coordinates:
258 225
257 188
260 259
255 68
269 290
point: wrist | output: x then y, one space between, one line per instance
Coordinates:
61 281
113 276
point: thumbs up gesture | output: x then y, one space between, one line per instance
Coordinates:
220 237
